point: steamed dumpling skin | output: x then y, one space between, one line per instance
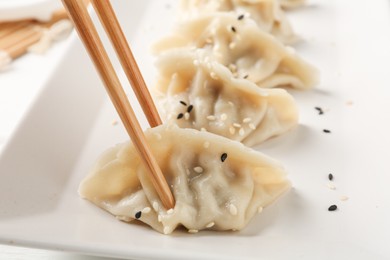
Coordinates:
244 48
210 193
267 14
222 104
289 4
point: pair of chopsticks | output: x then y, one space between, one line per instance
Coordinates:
83 23
17 37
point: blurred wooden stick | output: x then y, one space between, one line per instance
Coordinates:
17 37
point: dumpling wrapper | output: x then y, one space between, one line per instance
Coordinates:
244 48
221 104
289 4
267 14
210 194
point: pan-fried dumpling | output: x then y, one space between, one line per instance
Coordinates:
288 4
245 49
267 14
203 94
218 184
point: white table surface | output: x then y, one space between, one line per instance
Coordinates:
19 85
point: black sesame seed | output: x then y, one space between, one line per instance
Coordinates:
138 215
246 76
240 17
233 29
223 157
332 208
189 109
330 177
326 131
320 111
183 103
180 116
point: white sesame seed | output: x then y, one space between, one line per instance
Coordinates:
213 75
210 225
217 47
209 40
146 210
170 211
224 117
158 136
198 169
193 231
114 122
232 45
203 129
232 130
331 186
290 50
124 218
159 218
260 209
211 118
252 126
232 67
187 116
206 145
231 103
155 206
196 63
344 198
219 54
166 230
233 209
247 120
241 132
237 125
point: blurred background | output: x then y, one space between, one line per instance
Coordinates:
33 38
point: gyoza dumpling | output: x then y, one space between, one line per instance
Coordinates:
203 94
218 184
267 14
287 4
245 49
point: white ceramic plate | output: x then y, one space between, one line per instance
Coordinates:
11 10
70 125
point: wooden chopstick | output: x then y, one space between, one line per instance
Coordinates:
78 13
114 31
